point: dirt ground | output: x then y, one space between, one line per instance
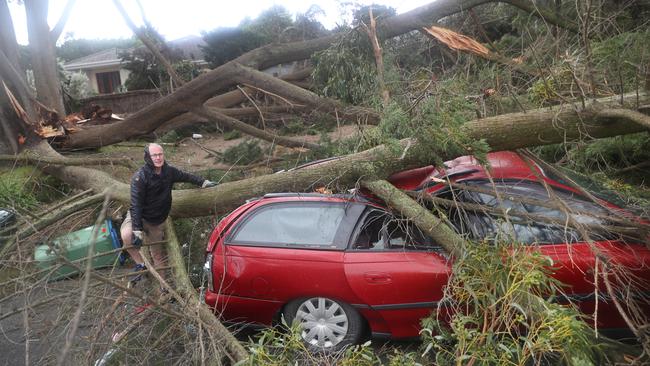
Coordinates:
196 154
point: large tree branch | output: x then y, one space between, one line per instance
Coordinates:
506 132
234 349
29 158
626 114
55 33
431 225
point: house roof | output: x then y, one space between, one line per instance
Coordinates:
109 57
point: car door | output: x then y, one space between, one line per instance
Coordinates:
395 271
285 250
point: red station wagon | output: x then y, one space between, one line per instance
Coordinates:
343 265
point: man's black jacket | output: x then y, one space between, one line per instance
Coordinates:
151 193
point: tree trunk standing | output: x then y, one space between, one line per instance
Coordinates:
7 34
43 57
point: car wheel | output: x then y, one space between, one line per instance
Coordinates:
325 324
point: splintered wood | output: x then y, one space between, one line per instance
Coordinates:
457 41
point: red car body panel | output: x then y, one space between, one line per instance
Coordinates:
393 290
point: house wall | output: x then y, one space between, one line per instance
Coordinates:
121 103
92 75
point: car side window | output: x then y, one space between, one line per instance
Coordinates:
379 230
485 225
311 224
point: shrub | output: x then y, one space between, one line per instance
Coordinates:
245 153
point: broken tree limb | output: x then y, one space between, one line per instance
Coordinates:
30 158
247 75
236 124
236 352
429 223
505 132
371 30
225 100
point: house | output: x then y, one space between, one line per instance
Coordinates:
105 69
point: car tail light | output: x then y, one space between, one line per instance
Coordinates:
207 272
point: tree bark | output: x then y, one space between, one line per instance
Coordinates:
235 350
48 86
225 100
430 224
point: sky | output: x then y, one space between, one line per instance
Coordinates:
98 19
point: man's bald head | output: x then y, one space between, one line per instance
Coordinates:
156 154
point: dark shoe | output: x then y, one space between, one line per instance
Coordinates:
136 277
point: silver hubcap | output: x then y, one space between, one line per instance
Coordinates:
324 323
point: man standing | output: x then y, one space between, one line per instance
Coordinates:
151 201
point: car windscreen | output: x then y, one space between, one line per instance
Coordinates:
522 202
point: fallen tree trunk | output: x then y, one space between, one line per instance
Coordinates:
429 223
506 132
235 350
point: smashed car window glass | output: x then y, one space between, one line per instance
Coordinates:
525 222
380 231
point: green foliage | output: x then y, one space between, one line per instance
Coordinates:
502 313
225 44
276 348
27 188
16 190
346 71
245 153
619 59
231 135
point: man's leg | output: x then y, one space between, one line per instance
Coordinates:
126 232
156 234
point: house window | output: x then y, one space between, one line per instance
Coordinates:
108 82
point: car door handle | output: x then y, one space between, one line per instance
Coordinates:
377 277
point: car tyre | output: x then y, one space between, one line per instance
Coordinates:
325 325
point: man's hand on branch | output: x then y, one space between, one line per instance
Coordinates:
208 184
137 239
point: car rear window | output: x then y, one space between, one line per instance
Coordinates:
292 224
